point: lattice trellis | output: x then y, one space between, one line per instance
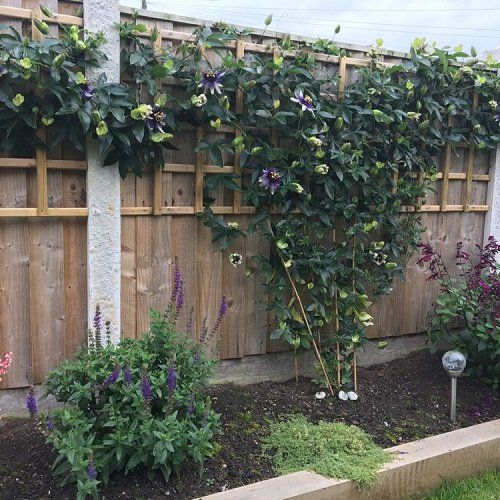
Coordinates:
200 168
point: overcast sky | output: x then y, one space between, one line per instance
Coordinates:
449 22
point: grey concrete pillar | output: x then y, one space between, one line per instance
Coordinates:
492 222
103 185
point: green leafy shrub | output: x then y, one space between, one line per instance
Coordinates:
139 403
467 311
328 448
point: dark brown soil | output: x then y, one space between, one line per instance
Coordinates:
399 401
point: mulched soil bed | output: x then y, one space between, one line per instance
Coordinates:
399 401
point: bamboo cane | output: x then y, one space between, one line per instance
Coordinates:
306 321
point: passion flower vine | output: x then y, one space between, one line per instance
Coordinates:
305 102
211 81
271 180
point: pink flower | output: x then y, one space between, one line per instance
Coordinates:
5 362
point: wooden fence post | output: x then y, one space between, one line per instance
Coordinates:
103 185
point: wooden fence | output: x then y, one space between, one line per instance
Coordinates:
43 232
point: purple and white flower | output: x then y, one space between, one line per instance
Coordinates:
211 81
270 179
306 102
155 120
86 90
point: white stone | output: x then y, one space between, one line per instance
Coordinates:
343 396
352 395
103 185
320 395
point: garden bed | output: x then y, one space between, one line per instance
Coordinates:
399 402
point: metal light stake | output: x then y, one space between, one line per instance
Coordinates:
454 364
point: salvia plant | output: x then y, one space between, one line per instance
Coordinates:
338 169
467 309
135 404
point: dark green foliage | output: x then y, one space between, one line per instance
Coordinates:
113 422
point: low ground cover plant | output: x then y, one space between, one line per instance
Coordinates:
139 403
467 310
329 448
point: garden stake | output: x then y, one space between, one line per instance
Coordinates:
355 371
354 364
308 326
337 329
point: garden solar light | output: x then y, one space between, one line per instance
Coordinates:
454 364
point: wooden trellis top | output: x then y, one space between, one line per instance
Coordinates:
200 168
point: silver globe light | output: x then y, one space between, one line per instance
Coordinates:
454 364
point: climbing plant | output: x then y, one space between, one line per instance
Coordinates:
329 174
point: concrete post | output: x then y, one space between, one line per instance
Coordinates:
492 222
103 185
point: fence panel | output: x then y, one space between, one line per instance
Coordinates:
43 296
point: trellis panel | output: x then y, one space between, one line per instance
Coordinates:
43 230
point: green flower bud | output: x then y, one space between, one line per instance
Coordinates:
383 344
238 141
26 63
256 150
41 26
249 85
337 29
80 45
46 11
281 244
59 60
80 78
102 129
161 101
296 187
390 265
321 169
18 100
141 112
47 120
339 123
96 117
224 102
268 20
215 123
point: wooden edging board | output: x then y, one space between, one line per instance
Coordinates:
417 467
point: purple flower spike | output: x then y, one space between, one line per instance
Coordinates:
211 80
177 280
112 377
87 91
49 423
270 179
127 375
172 378
222 311
180 299
305 101
31 403
91 470
147 393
